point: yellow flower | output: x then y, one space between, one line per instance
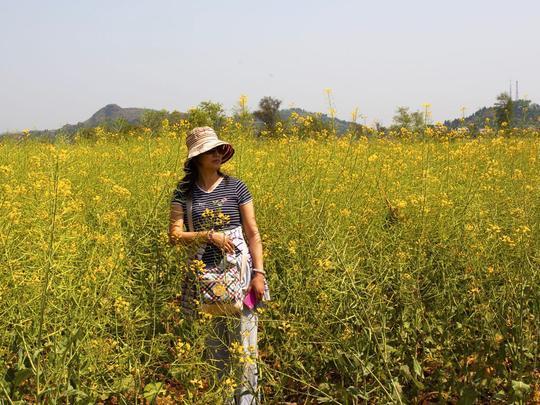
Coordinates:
197 266
325 264
508 240
222 219
474 290
236 348
332 112
219 289
183 348
208 213
354 114
523 229
292 247
230 383
345 212
373 158
242 102
121 305
197 382
494 229
6 170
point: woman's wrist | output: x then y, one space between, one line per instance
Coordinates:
258 271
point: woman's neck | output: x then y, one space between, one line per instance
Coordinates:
207 179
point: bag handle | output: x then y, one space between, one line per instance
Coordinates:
189 207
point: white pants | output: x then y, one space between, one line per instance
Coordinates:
243 330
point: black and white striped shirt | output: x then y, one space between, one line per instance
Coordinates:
217 209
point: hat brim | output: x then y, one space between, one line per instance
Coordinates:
204 147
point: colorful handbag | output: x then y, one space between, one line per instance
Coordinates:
220 288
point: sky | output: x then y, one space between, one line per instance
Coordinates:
60 61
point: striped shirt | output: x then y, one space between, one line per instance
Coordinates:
218 209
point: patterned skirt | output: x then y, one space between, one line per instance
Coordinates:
190 296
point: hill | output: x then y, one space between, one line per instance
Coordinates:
108 115
526 114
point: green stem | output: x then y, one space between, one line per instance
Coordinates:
46 279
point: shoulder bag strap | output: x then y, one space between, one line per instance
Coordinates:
189 207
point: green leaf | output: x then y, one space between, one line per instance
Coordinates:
520 388
152 390
468 396
417 367
124 384
407 373
21 376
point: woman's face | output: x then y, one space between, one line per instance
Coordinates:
211 159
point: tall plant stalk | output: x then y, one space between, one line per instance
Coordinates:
46 279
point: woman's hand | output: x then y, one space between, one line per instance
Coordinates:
223 242
257 283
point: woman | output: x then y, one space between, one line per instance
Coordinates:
223 203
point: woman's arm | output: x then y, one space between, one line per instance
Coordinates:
178 236
247 212
176 228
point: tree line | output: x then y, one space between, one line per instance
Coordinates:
269 121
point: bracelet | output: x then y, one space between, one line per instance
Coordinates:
259 271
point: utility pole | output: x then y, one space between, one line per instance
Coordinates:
426 112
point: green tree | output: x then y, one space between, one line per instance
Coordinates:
268 112
207 113
119 125
175 117
242 115
504 109
404 119
153 119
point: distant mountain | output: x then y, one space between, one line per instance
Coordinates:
526 114
107 115
112 112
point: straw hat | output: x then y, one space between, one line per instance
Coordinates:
202 139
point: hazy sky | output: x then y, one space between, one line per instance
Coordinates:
60 61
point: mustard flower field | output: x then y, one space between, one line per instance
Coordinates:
402 270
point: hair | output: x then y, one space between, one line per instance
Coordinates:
187 184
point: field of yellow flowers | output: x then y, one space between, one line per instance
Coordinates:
401 270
